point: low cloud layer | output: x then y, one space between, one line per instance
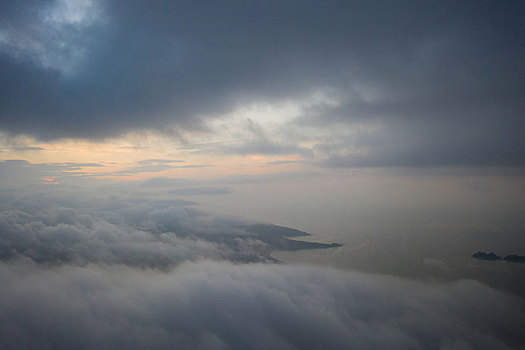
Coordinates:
96 272
155 234
222 306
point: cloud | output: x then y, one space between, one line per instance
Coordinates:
151 168
154 168
17 172
166 182
195 191
22 172
148 233
381 134
159 161
442 81
62 235
226 180
23 148
214 305
258 142
52 35
94 271
282 162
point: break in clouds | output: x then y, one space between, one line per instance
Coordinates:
108 273
405 83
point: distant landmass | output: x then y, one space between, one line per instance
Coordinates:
515 258
276 236
485 256
492 257
271 237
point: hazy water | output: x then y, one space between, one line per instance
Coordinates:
420 228
428 254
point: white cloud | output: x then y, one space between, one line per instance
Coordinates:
107 273
210 305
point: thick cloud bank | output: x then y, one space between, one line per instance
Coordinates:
157 234
81 273
222 306
410 83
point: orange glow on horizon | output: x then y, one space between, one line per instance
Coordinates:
132 158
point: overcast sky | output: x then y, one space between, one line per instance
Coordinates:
335 84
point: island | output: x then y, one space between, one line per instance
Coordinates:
493 257
277 237
485 256
515 258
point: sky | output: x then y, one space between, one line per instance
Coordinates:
141 141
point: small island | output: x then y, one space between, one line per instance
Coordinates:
493 257
515 258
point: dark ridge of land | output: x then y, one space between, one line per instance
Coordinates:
276 236
493 257
486 256
242 243
515 258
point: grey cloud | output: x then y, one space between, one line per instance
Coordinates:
265 147
411 138
23 148
159 161
195 191
210 305
62 235
283 162
167 182
445 79
97 272
226 180
16 172
258 142
83 164
152 168
199 146
194 166
265 178
22 172
50 229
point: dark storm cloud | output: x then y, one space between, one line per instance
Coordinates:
444 79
